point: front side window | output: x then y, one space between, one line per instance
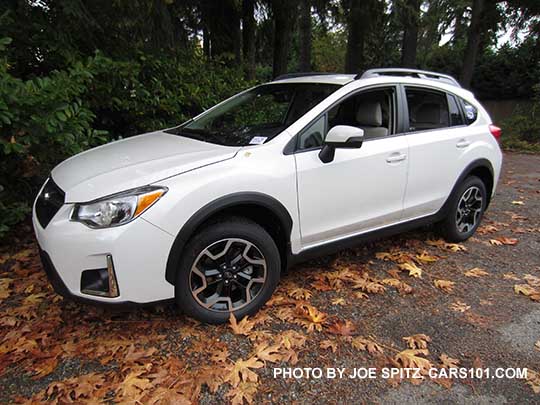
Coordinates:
428 109
370 110
256 116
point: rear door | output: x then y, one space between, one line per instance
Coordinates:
437 138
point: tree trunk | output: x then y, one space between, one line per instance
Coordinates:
248 37
305 35
222 20
473 40
284 16
411 16
356 37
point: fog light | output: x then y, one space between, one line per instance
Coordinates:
100 282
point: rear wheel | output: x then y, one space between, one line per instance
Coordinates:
466 209
231 266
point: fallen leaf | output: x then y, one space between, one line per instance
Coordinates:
244 391
244 327
300 294
418 341
511 276
424 257
346 328
338 301
528 291
503 241
518 202
459 306
328 344
537 345
413 269
445 285
266 352
448 362
368 345
411 358
242 371
476 272
533 379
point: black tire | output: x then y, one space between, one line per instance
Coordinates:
449 227
213 235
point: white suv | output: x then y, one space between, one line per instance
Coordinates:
209 213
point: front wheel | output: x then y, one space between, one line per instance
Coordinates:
466 209
230 266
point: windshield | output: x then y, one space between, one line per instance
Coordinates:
256 116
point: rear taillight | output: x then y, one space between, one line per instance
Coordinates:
495 131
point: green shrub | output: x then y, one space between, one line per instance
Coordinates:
45 119
522 130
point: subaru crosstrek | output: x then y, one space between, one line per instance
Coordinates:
210 212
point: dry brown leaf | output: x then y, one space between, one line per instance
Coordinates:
338 301
133 386
446 285
532 280
424 257
399 285
448 362
418 341
440 243
413 269
242 371
537 345
311 318
243 392
361 295
459 306
368 345
328 344
300 294
476 272
511 276
244 327
410 358
266 352
503 241
343 328
528 291
533 379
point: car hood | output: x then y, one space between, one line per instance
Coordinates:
134 162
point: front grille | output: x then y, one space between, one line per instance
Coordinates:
49 202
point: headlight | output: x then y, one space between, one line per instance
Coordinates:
117 209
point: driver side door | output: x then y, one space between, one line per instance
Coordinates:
360 189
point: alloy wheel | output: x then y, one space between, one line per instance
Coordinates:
469 209
227 275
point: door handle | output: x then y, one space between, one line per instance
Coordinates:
396 157
463 143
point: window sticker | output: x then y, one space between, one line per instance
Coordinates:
258 140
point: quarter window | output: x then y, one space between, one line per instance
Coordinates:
471 113
428 109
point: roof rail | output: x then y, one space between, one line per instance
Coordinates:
302 74
422 74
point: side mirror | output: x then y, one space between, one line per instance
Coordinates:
340 136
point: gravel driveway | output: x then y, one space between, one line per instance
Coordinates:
458 305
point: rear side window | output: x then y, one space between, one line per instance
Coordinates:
471 112
456 118
428 109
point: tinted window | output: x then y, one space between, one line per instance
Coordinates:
372 110
256 116
471 113
427 109
456 118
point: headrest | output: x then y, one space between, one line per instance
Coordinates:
369 114
429 113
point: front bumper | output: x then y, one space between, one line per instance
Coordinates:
140 251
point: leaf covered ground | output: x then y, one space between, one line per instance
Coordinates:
412 301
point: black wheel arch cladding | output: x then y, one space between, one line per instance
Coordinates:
221 205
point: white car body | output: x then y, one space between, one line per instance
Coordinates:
386 182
